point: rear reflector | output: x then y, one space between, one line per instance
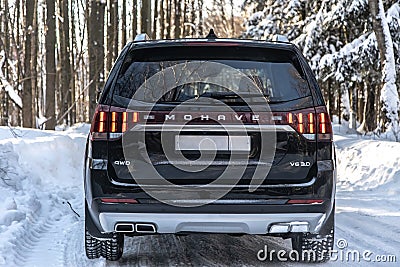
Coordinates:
119 200
305 201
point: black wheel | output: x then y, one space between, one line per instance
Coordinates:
112 248
316 248
92 246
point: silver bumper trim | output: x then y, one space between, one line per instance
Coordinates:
167 223
216 186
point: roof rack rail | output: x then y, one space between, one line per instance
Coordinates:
280 38
141 37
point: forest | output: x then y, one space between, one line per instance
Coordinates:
55 55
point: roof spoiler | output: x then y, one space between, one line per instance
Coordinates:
141 37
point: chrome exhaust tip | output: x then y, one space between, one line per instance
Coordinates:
145 228
289 227
124 228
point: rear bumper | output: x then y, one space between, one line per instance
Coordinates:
169 223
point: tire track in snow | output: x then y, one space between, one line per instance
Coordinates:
361 227
28 243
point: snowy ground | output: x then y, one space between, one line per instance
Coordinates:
41 187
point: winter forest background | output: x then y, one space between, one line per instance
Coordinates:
56 55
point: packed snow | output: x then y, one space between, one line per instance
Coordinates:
41 207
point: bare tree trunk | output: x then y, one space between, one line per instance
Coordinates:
186 28
168 18
96 52
134 18
145 14
73 57
353 107
201 18
65 61
162 20
193 19
368 117
232 19
123 22
27 99
112 33
177 19
156 19
115 25
331 99
20 68
50 65
5 44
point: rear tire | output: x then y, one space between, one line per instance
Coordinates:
113 248
97 244
92 246
316 248
109 248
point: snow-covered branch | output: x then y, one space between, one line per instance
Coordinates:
13 94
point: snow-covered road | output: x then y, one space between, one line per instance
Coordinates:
41 187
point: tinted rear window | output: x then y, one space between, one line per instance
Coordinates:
275 74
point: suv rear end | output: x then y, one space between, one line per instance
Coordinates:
210 136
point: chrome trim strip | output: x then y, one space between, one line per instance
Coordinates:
213 128
168 223
215 163
309 183
292 227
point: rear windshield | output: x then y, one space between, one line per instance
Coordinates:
150 79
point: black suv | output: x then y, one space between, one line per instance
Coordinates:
210 135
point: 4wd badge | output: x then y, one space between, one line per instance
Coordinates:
122 162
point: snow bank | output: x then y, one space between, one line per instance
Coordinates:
40 171
366 163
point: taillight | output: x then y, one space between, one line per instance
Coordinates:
308 122
325 132
102 122
111 122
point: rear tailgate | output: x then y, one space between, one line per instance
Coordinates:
198 153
